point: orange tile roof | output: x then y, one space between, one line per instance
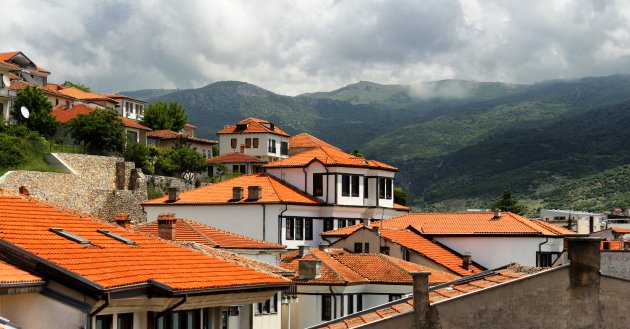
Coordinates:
329 157
232 257
401 207
187 230
273 191
254 125
305 140
339 267
25 225
235 157
80 94
620 230
613 245
344 231
10 274
63 115
448 290
432 250
17 84
4 57
170 134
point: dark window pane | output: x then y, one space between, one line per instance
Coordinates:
341 223
388 188
289 228
248 142
125 321
328 224
326 308
359 302
381 188
366 190
350 304
104 321
284 148
308 229
233 143
299 229
355 185
255 143
366 248
358 247
345 185
318 184
385 250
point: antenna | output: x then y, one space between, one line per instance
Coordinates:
6 80
25 112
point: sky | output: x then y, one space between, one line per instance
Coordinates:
293 47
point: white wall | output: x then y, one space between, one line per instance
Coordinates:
225 143
37 311
493 252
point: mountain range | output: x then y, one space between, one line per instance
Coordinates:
458 144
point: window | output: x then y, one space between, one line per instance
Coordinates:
358 247
289 228
299 228
255 142
366 248
234 311
406 253
272 146
351 222
366 190
233 143
270 306
345 185
329 224
239 168
359 302
385 250
104 321
308 229
381 188
546 259
125 321
284 148
132 136
318 184
248 142
388 188
326 307
350 304
394 297
355 185
210 171
341 223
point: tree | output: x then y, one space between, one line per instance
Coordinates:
79 86
357 153
40 119
143 156
507 202
400 196
101 131
188 162
159 116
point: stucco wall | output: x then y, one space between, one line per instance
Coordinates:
37 311
616 263
88 184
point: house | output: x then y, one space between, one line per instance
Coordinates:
27 70
492 238
333 283
574 295
405 244
102 274
6 93
170 138
19 292
255 137
579 221
305 142
135 132
235 162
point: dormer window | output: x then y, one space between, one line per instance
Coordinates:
241 126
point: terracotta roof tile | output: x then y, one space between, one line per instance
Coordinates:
170 134
307 141
273 191
328 156
612 245
187 230
235 157
110 263
4 57
252 125
11 274
84 95
63 115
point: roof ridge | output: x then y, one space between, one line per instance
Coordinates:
332 257
337 274
528 223
231 233
203 236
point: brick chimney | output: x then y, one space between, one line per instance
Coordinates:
237 193
421 298
166 226
122 220
173 194
497 214
254 193
303 250
309 268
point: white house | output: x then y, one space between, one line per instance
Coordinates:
6 93
580 221
255 137
335 283
235 162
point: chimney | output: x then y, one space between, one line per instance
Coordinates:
254 193
466 261
237 193
173 194
421 298
309 268
303 250
497 214
584 282
166 226
366 223
375 228
323 246
122 220
24 191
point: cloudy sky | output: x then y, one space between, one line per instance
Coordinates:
291 47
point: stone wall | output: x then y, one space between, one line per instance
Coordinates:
616 263
89 184
162 183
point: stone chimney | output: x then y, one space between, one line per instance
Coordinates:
303 250
122 220
421 298
366 222
497 214
584 278
309 268
237 193
173 194
166 226
254 193
466 261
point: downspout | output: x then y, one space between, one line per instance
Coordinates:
264 221
540 248
305 181
286 206
98 310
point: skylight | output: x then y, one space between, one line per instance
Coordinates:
70 236
117 237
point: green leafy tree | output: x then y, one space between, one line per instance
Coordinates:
160 115
357 153
188 162
507 202
79 86
40 119
143 156
101 131
400 196
223 173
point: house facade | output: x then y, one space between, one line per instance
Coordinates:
170 138
234 162
255 137
579 221
6 93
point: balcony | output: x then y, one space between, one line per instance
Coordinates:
5 92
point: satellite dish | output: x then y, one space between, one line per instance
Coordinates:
6 80
25 112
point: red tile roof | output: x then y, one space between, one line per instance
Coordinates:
252 125
329 157
84 95
339 267
456 288
62 115
170 134
6 56
235 157
273 191
232 257
620 230
10 274
107 262
612 245
187 230
305 140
